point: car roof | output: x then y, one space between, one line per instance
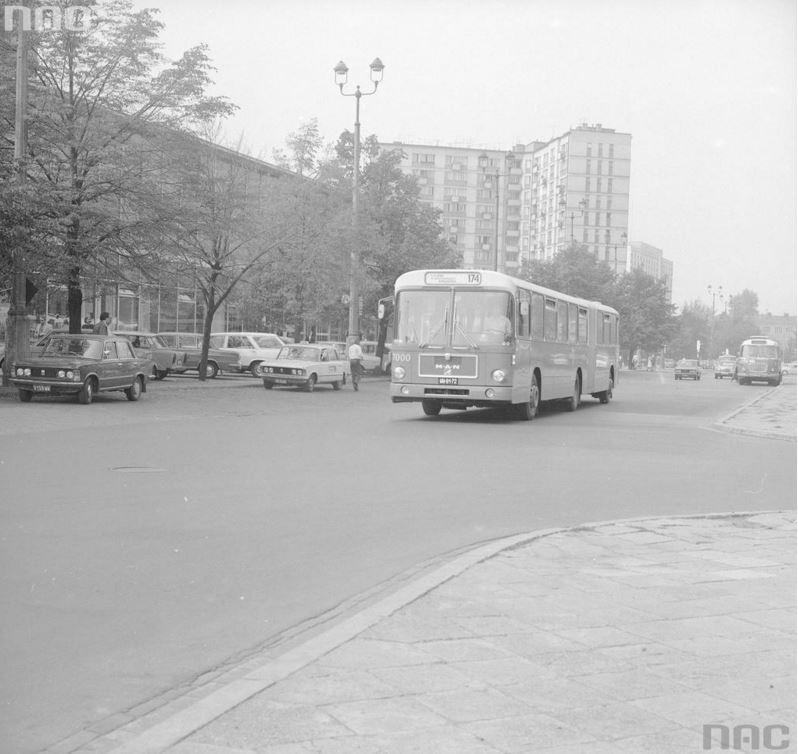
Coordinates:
134 332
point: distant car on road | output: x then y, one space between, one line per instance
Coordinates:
82 365
251 348
305 365
687 369
148 345
191 345
725 366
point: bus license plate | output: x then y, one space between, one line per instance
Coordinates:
41 388
447 380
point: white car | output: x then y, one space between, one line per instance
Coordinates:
305 365
252 348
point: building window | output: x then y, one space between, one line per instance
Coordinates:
599 167
598 185
587 167
609 219
612 151
609 185
587 185
601 150
589 151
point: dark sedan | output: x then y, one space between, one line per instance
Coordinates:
82 365
191 345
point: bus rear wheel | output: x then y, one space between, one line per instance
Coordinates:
431 408
605 396
529 410
576 396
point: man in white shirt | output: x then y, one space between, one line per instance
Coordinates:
355 358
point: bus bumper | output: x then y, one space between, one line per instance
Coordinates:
461 396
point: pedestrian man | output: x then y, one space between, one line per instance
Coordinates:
355 359
101 328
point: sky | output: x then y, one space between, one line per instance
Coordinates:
706 88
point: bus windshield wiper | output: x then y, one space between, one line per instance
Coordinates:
440 327
458 326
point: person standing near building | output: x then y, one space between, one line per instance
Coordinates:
101 328
355 359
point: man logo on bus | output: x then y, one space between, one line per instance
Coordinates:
447 368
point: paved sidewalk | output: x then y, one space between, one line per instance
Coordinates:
770 414
621 637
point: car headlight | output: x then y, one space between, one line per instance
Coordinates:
27 371
61 374
498 375
300 372
20 371
399 373
265 369
72 375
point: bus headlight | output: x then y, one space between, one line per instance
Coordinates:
399 373
490 393
498 375
404 390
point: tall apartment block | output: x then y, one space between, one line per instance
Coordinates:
501 208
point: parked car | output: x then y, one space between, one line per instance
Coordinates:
687 368
371 362
148 345
725 367
305 365
191 345
251 348
82 365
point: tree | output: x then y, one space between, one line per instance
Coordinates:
694 325
574 271
646 315
94 98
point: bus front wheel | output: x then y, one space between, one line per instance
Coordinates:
431 408
529 410
605 396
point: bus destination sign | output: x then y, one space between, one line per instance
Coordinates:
456 277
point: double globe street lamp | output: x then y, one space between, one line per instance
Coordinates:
341 75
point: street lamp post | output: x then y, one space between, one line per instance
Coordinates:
714 292
624 239
483 164
341 75
582 205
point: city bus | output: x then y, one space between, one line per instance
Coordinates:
480 338
759 360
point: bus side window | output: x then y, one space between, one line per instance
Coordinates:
572 323
550 320
581 330
524 311
537 316
562 322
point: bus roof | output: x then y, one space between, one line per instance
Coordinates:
486 279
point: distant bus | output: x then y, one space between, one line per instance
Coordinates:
481 338
759 360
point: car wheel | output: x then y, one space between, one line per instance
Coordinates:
336 385
431 408
160 374
254 368
268 385
310 386
211 370
529 410
25 396
86 394
133 393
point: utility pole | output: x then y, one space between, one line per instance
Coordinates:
17 336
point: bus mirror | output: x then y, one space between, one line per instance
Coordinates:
380 311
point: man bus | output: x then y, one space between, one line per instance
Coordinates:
481 338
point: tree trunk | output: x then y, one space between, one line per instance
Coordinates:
74 300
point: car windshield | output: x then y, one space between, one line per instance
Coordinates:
727 360
688 363
83 347
303 353
268 341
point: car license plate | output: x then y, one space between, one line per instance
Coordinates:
447 380
278 381
41 388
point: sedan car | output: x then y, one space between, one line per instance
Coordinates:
251 348
687 369
725 366
190 344
148 345
82 365
305 365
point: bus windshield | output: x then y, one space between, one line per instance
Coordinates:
482 316
421 317
760 352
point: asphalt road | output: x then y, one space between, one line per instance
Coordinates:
146 544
